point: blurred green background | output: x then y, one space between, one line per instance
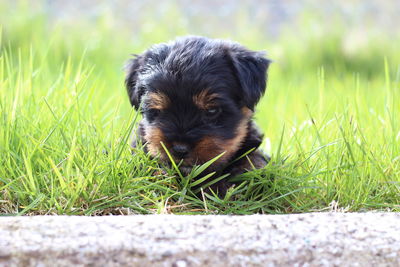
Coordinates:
344 46
301 37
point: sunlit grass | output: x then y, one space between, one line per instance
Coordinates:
330 118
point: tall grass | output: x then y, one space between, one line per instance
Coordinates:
330 117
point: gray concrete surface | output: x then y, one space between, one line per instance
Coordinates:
317 239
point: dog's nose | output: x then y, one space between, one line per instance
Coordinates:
180 150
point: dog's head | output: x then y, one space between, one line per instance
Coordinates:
197 96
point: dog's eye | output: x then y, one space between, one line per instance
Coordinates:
213 112
152 114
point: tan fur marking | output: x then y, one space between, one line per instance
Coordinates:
158 101
247 112
210 147
154 136
204 100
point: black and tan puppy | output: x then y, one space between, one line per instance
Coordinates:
197 96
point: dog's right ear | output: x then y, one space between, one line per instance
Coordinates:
132 71
251 70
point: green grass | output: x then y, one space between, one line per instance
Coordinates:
330 118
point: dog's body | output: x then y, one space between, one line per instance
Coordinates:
197 96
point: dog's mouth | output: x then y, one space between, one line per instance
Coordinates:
185 170
185 166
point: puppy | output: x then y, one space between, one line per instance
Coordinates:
197 97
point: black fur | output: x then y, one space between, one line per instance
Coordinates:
184 68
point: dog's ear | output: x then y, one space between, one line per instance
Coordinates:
251 69
132 68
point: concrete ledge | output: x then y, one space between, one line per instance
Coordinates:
353 239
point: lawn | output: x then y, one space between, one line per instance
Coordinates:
330 117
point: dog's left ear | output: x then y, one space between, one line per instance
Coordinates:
251 69
132 68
